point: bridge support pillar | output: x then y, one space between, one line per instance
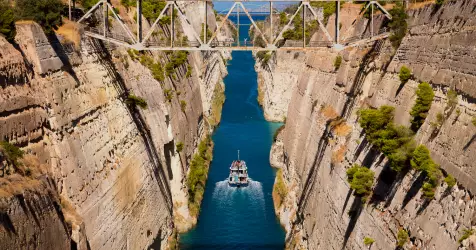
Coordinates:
139 21
337 22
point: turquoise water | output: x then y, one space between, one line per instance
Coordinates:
231 217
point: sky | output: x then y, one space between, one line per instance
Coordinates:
225 6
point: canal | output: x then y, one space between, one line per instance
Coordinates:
230 217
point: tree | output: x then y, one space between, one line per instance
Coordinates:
405 74
11 152
421 159
337 62
137 101
88 4
368 241
402 237
47 13
422 105
450 181
179 147
375 120
7 21
398 24
361 179
451 99
183 105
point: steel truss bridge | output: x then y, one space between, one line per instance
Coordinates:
139 40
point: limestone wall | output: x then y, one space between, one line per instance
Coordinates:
116 164
319 211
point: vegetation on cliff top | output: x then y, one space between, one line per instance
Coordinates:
7 21
198 174
47 13
398 24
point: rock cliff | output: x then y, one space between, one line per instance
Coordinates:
322 139
115 164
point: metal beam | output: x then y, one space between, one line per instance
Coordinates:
95 7
385 12
151 30
222 23
254 24
321 25
139 20
129 33
337 22
187 22
280 36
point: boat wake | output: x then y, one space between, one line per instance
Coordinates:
229 196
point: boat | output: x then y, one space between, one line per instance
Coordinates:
238 173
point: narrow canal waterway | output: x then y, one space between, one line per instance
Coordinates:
239 218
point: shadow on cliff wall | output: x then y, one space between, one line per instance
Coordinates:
469 142
62 52
413 191
7 223
354 213
105 59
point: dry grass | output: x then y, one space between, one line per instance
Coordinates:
329 112
342 129
338 156
420 4
70 214
70 32
19 181
24 22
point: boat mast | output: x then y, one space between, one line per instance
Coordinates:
238 154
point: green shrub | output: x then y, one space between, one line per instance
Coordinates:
88 4
398 24
439 3
280 187
405 74
466 234
361 179
450 181
197 176
329 8
421 159
11 152
137 101
451 99
7 21
183 105
28 171
440 119
189 71
179 147
402 237
168 94
202 33
368 241
264 56
283 18
47 13
422 105
337 62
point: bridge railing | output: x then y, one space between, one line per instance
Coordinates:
353 39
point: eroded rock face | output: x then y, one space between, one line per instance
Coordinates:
317 155
115 163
